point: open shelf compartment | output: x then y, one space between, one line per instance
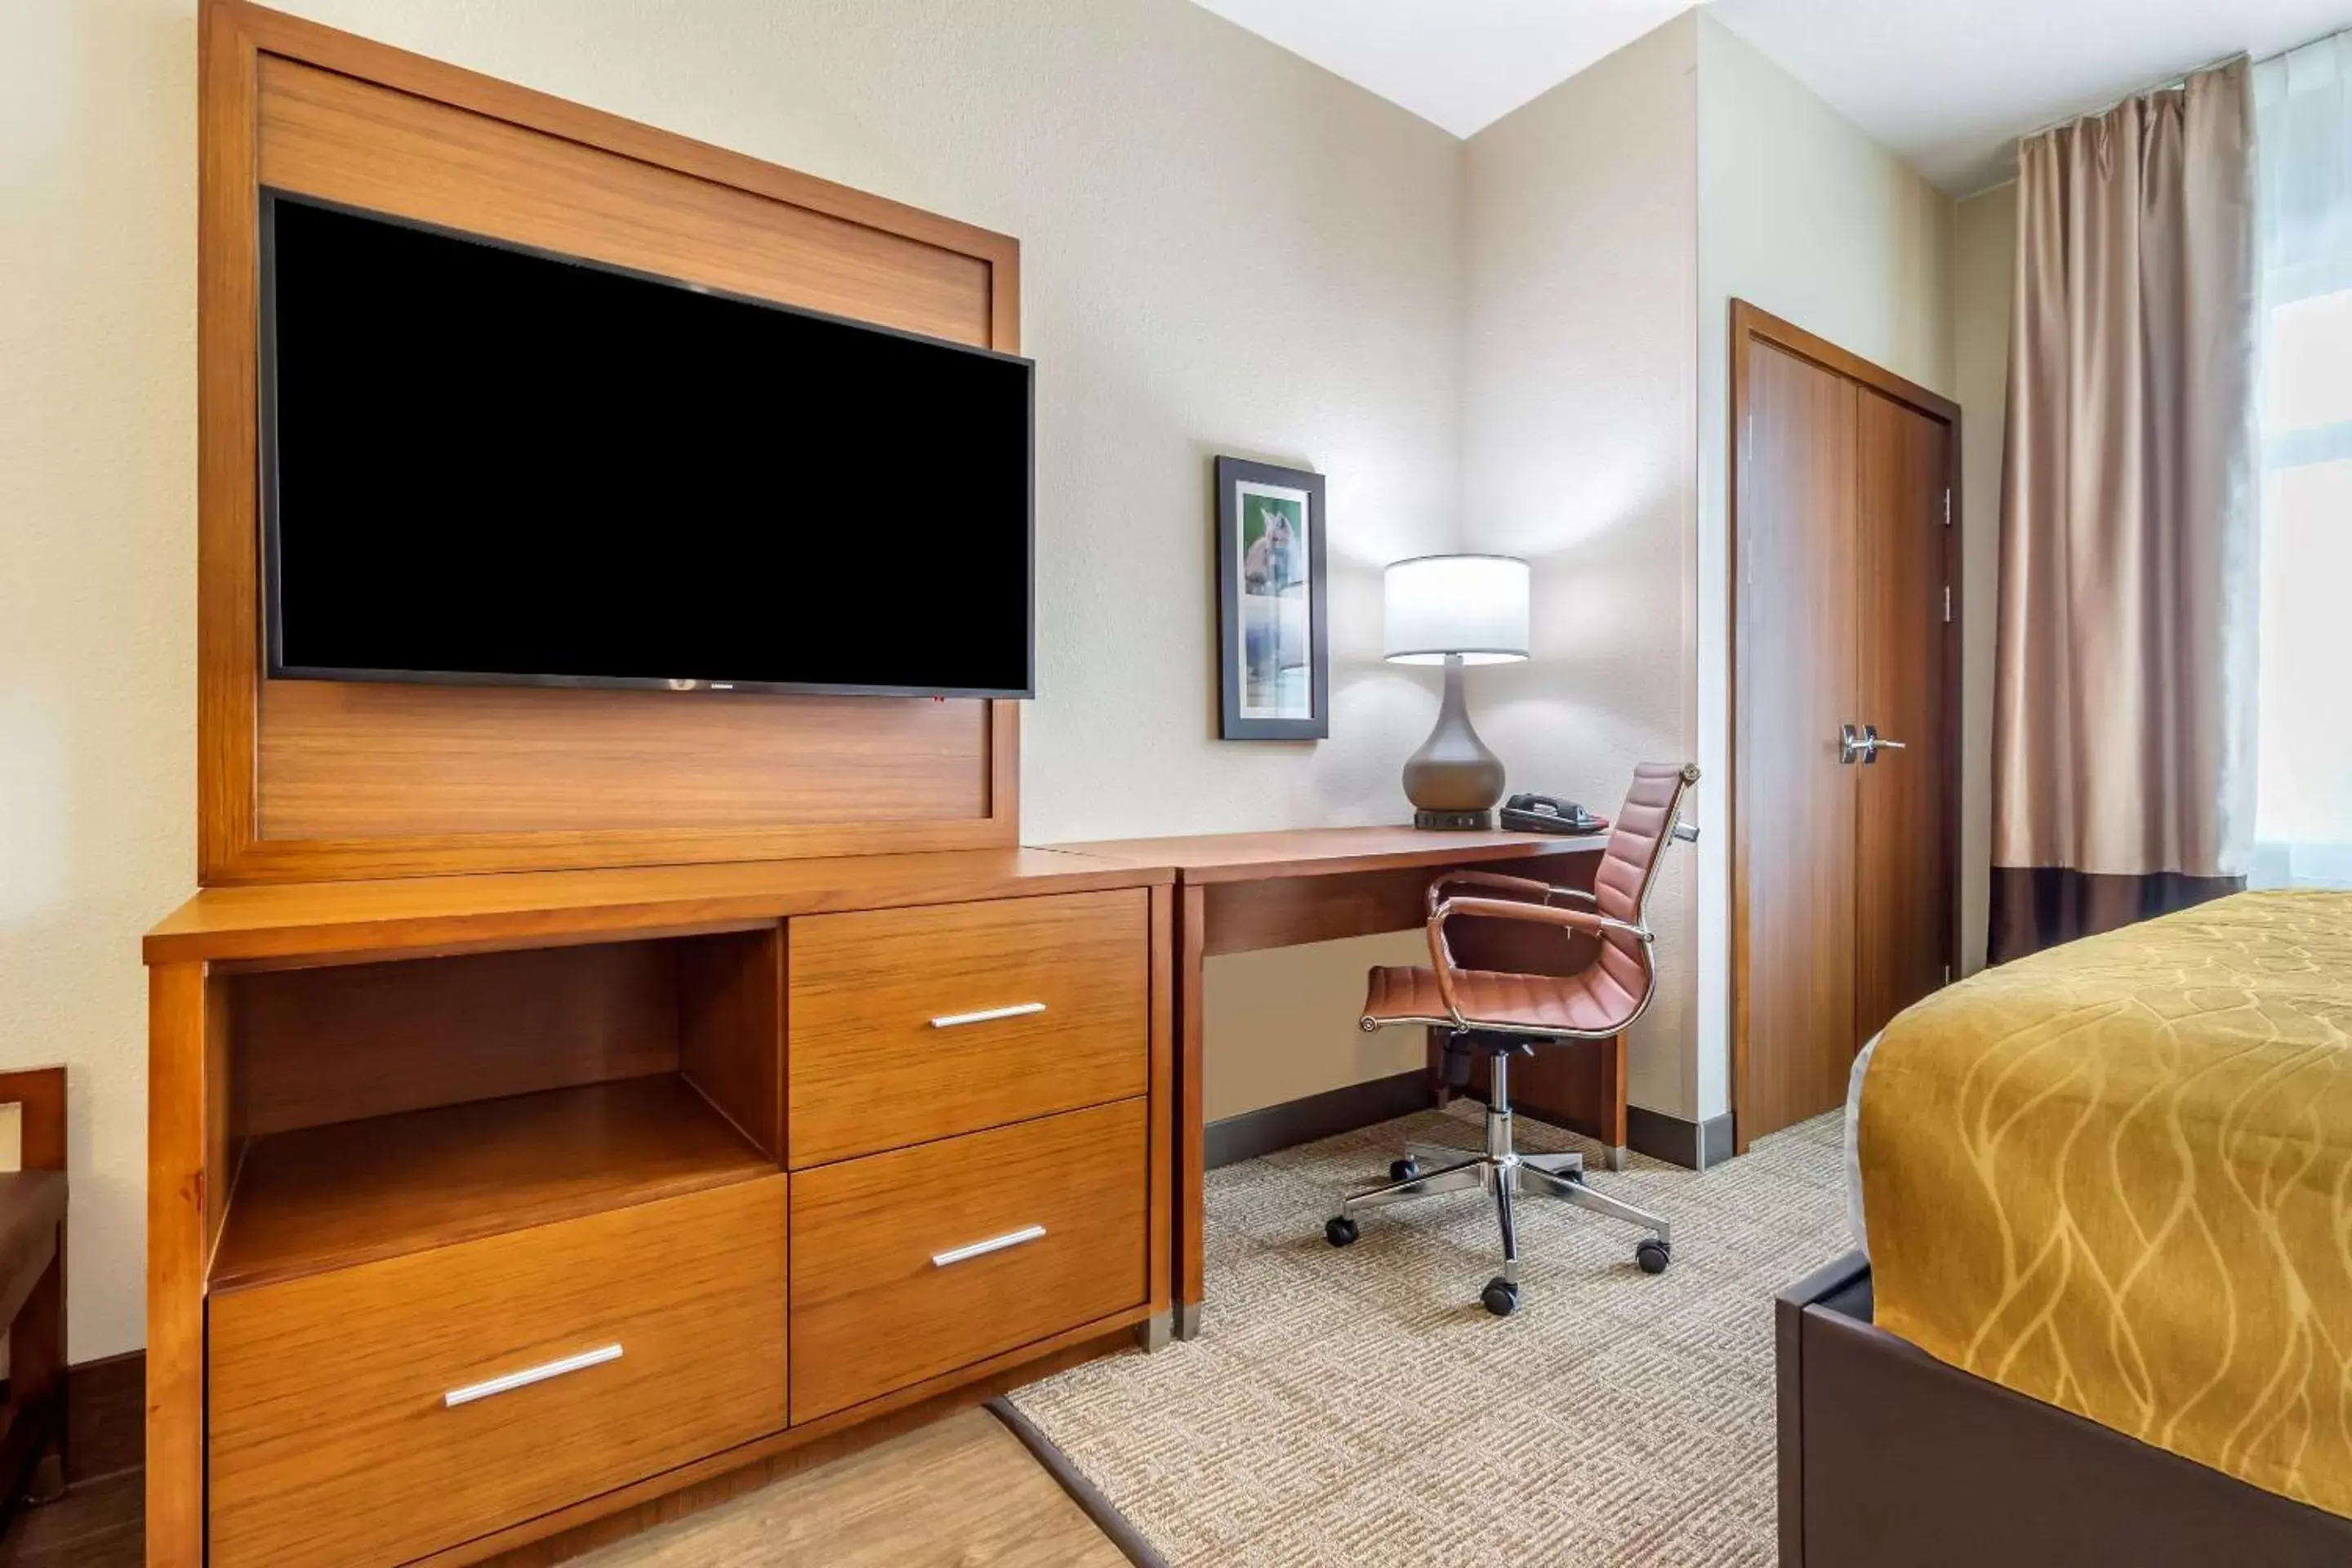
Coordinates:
382 1109
325 1197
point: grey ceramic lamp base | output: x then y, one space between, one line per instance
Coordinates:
1454 781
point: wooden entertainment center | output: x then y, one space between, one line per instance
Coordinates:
561 1098
483 1205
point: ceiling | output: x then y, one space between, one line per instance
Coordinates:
1462 64
1947 86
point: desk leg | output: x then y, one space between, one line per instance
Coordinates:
1190 1171
1612 1130
1154 1332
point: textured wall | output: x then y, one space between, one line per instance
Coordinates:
1801 213
1281 1025
1224 250
98 554
1515 344
1984 276
1580 218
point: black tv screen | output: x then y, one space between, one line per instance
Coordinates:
484 464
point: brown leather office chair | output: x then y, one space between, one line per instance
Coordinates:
1502 1016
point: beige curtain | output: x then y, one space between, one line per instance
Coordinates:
2124 717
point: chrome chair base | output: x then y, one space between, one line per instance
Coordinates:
1502 1173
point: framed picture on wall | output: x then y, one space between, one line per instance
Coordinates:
1273 642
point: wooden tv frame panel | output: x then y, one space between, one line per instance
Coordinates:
303 780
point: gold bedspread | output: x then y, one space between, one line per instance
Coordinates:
2117 1176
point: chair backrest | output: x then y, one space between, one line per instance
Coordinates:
1645 826
1620 888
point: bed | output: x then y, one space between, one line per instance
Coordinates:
2104 1311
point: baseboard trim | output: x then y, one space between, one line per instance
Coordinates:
1232 1139
1693 1145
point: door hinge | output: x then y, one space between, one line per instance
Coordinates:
1948 604
1947 506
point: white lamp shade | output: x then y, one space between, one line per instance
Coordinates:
1473 606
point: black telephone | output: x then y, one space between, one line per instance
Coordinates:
1548 813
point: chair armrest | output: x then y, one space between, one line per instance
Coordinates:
1529 885
1545 914
1441 955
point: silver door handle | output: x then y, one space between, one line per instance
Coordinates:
982 1248
528 1376
1864 745
986 1015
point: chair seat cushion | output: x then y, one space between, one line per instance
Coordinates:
1591 1002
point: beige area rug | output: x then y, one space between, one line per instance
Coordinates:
1360 1408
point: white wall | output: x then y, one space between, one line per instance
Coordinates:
1803 215
1984 277
98 466
1224 248
1579 223
1607 228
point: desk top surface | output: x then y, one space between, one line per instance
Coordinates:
1326 851
387 916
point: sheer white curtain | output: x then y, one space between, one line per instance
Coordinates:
2303 820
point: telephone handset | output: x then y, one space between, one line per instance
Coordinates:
1549 813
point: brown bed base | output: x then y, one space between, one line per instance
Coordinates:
1889 1456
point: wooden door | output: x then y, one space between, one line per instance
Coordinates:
1902 906
1844 860
1794 827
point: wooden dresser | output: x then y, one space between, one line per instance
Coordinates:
484 1204
561 1098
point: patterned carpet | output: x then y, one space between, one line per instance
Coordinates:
1360 1409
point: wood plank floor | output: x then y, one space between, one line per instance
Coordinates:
99 1524
961 1491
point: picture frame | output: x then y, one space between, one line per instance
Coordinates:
1272 603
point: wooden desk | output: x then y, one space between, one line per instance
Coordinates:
1238 892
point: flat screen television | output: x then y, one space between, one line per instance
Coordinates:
488 465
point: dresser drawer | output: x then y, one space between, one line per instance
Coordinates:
914 1263
910 1025
333 1435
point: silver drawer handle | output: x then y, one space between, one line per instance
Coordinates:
982 1248
528 1376
950 1020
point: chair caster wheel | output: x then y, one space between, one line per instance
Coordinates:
1405 1169
1340 1230
1653 1256
1502 1297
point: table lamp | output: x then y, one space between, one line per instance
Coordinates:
1455 610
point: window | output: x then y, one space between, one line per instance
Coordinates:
2302 819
